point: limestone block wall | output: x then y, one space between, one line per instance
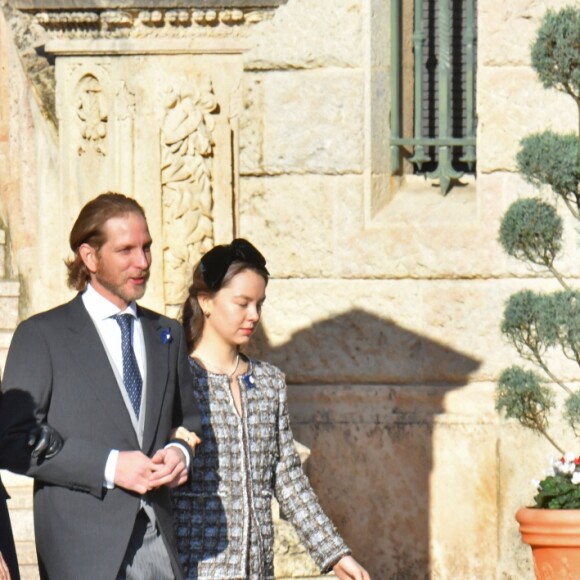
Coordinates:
386 302
28 173
385 299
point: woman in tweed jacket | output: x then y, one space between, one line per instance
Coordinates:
223 515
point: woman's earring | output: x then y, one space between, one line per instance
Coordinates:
206 314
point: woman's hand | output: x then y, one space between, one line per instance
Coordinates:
347 568
186 436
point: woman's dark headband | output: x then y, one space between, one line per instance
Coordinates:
216 262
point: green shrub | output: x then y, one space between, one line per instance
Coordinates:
555 52
553 160
540 325
531 231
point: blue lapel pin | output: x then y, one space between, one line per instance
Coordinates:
249 381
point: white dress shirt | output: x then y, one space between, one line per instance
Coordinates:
101 312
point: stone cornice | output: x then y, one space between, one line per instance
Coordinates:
106 5
142 17
166 21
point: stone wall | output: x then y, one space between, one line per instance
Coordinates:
386 297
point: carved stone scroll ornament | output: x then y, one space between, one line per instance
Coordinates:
186 152
92 114
138 23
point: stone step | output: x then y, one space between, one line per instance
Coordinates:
20 507
20 498
27 555
27 562
20 490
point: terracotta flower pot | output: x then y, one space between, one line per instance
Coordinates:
554 536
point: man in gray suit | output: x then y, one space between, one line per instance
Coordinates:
114 380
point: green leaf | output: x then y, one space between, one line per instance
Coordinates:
558 492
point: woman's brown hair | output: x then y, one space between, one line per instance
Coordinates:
208 279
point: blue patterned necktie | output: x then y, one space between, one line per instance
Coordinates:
131 375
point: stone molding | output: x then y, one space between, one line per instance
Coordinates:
168 46
145 21
144 17
37 6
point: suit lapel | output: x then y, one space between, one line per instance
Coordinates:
90 355
157 354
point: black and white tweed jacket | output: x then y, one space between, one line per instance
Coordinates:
223 516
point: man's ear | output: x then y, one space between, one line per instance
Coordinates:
89 257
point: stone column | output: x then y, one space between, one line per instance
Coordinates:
156 119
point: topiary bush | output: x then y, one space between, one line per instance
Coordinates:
538 324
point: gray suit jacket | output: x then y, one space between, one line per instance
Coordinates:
83 529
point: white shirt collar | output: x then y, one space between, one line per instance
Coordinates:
100 308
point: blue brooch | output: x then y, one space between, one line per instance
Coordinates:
166 337
249 381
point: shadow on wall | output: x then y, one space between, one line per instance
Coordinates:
363 395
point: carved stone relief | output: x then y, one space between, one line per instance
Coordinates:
92 114
86 118
155 120
186 179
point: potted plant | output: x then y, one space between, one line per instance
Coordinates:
538 324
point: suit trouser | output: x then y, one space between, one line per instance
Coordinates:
146 557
